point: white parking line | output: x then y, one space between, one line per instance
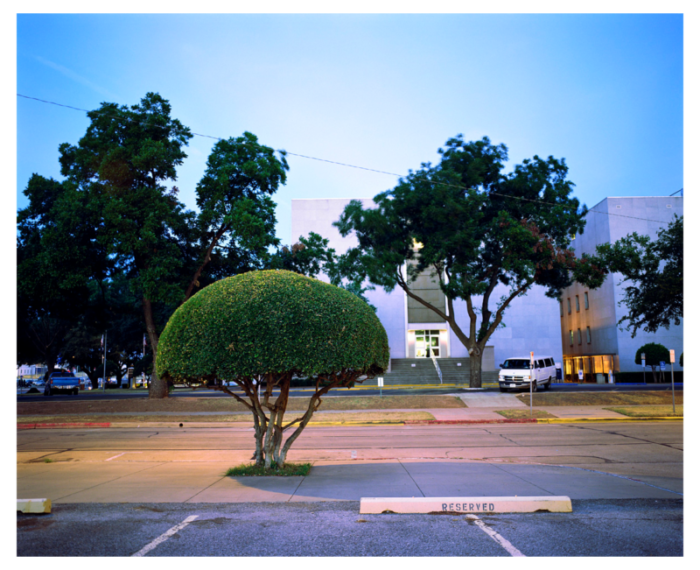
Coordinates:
110 459
497 537
165 536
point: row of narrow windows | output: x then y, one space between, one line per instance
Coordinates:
578 304
580 339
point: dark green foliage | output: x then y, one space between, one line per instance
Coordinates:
478 228
654 269
264 328
307 257
654 354
236 223
271 322
288 470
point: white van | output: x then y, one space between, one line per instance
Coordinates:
515 373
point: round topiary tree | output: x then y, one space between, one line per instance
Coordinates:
654 353
263 328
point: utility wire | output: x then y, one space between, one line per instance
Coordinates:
284 152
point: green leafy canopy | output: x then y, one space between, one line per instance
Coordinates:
271 322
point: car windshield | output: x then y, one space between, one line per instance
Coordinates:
513 364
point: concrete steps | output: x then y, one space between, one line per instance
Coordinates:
419 371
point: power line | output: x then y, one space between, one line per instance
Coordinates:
284 152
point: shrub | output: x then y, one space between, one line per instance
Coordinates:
655 353
267 327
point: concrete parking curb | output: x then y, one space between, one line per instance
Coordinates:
461 505
34 506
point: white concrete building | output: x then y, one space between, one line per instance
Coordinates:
532 322
590 336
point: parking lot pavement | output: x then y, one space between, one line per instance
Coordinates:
594 528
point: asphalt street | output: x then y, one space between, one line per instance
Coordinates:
595 528
369 391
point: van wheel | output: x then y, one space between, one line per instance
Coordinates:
534 386
548 383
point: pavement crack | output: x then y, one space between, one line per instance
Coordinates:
111 480
639 439
522 479
412 479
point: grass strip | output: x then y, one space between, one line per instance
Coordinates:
252 470
649 411
519 414
224 418
185 404
601 398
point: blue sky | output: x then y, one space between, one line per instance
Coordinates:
605 92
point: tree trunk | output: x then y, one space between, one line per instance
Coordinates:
475 355
157 388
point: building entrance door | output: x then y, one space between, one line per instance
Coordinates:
427 343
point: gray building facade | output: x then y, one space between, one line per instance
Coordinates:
591 339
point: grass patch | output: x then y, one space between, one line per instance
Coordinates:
227 404
519 414
47 460
601 398
649 411
223 418
252 470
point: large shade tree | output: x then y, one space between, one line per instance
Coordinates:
262 329
474 228
653 270
125 166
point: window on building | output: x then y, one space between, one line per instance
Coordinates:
579 336
585 300
588 335
571 338
568 304
561 308
578 305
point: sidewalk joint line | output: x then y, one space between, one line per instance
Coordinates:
110 481
620 477
501 467
202 490
303 478
412 479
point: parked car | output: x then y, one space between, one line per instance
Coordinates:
516 373
85 384
62 382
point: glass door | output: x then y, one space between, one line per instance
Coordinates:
427 344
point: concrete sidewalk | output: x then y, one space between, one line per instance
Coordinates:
473 414
204 482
